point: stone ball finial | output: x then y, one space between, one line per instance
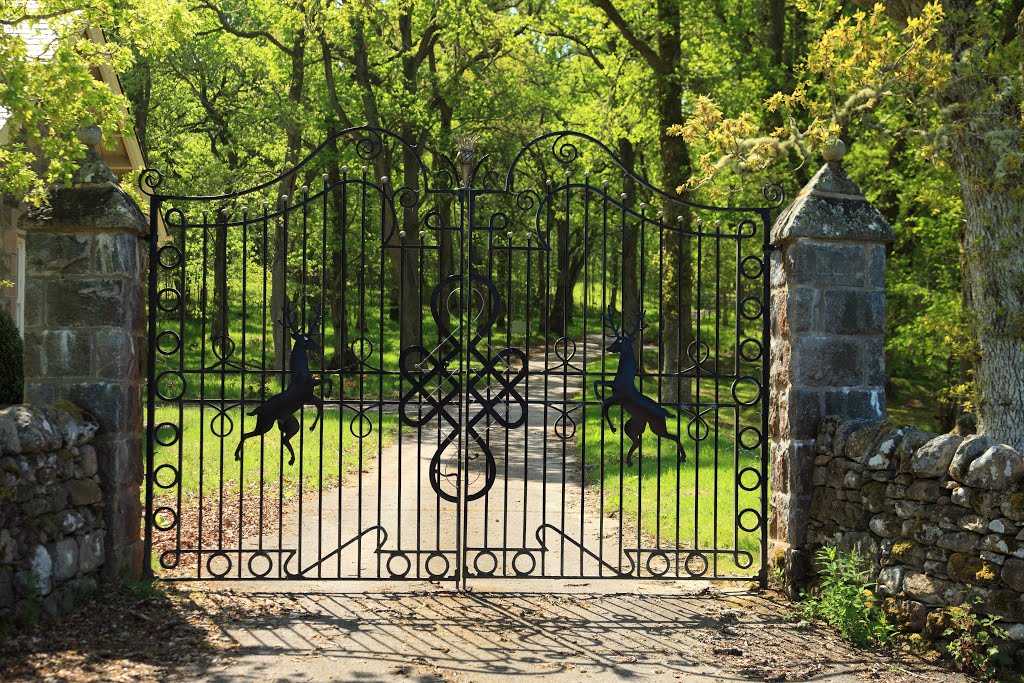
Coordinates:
834 150
90 135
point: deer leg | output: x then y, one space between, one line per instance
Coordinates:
634 428
261 428
319 411
608 403
661 429
600 383
289 427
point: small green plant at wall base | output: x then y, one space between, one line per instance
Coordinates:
845 599
973 647
11 368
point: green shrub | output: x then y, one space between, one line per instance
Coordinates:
973 646
12 374
845 599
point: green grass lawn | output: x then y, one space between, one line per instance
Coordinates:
207 464
693 504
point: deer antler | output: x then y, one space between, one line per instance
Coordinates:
609 322
289 323
639 326
317 319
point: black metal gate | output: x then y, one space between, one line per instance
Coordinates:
391 364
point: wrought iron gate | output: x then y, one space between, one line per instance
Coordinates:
558 371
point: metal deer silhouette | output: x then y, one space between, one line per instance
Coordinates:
641 409
281 407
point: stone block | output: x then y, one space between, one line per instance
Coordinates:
876 266
87 460
804 413
116 253
83 492
873 361
997 469
65 559
909 615
886 526
1012 574
827 264
913 439
971 569
969 450
35 306
118 355
925 490
827 361
930 590
853 312
120 462
934 457
1012 506
52 255
87 303
90 551
959 541
115 405
857 403
906 551
1005 604
804 316
60 353
890 580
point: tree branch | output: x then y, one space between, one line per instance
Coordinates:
646 51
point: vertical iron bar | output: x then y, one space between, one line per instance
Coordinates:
147 542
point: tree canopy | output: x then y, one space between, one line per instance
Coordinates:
708 98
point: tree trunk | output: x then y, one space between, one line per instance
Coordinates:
219 319
279 280
993 272
631 286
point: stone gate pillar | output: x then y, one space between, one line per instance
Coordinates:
827 339
84 333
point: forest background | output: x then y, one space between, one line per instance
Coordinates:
713 98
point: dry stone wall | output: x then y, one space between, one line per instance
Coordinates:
51 510
941 518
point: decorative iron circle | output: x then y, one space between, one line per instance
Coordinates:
698 351
749 528
170 471
750 356
565 349
168 343
397 574
662 557
171 379
751 267
365 425
701 567
751 308
168 440
168 299
698 428
437 555
747 560
564 427
736 386
222 559
261 555
515 563
221 424
169 257
169 559
492 558
756 434
223 347
365 349
745 485
168 514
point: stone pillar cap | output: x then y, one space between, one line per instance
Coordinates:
831 206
